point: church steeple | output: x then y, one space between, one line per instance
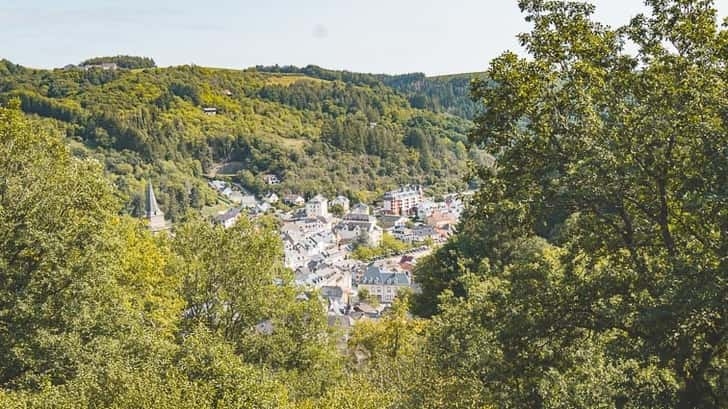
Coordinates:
154 214
152 206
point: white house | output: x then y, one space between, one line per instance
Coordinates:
415 234
294 200
261 208
360 208
271 179
236 196
318 206
312 225
229 218
427 207
424 232
403 234
218 185
248 201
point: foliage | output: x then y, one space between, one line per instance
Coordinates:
57 269
123 61
337 210
590 271
365 296
234 285
447 93
389 246
97 312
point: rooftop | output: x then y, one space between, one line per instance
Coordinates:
378 275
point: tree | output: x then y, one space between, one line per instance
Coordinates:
228 275
95 311
58 260
337 210
365 296
391 348
611 171
234 285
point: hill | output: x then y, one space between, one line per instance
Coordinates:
443 93
317 130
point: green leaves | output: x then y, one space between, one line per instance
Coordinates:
612 158
95 311
57 271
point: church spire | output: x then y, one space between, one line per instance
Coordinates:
154 214
152 206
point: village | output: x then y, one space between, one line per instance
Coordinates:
357 256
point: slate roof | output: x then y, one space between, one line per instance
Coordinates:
377 275
359 208
230 214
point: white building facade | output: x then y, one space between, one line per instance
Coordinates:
318 206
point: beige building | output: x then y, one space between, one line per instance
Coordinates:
384 284
359 227
403 201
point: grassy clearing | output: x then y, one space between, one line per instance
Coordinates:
225 169
209 211
288 79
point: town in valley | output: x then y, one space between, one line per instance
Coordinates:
356 256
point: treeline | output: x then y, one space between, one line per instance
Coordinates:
322 73
446 94
122 61
449 94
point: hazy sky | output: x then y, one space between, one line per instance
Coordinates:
392 36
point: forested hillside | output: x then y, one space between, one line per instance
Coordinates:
317 130
447 93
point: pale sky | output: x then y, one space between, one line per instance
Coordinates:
379 36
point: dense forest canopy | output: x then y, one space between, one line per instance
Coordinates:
447 93
122 61
589 270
